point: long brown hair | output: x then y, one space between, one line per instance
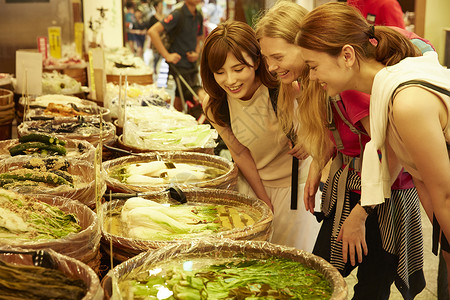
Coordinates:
330 26
283 21
232 37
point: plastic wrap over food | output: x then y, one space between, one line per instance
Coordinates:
217 249
122 61
57 83
157 118
137 95
78 129
79 149
82 189
62 107
155 171
84 245
177 139
70 267
237 217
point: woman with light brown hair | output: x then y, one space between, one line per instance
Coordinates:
409 105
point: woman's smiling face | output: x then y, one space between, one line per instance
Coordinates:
236 78
284 59
332 73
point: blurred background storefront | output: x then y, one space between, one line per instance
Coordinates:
23 21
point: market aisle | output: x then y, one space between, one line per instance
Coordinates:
430 269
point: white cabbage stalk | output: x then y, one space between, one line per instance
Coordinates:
136 202
144 180
153 167
12 222
147 219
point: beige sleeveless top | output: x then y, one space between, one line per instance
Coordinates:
396 142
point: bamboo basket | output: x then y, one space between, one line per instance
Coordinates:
225 181
71 267
124 248
134 149
108 136
79 149
64 100
84 190
83 246
223 249
6 113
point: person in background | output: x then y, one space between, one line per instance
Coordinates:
409 105
241 107
139 30
213 14
395 249
184 26
155 18
380 12
146 9
129 20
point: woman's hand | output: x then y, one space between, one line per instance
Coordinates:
269 203
298 151
311 186
353 235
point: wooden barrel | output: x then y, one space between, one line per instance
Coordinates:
138 79
79 74
6 113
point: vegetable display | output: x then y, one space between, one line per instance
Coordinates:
163 172
145 219
27 218
239 278
39 144
32 282
37 171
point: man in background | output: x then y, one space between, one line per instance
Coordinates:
184 26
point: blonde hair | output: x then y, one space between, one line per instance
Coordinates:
283 21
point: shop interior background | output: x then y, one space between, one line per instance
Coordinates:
22 21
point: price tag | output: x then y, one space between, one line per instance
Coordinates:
54 39
42 44
79 33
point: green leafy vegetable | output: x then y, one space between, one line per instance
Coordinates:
21 217
274 278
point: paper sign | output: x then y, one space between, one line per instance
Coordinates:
96 74
29 72
54 40
79 33
42 46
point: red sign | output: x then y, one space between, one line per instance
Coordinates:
42 46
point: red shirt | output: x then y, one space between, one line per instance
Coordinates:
355 106
380 12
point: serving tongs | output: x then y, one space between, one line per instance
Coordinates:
169 165
174 192
40 258
123 151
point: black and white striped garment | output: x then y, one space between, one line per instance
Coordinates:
400 224
401 232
